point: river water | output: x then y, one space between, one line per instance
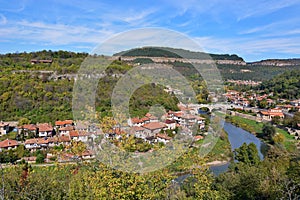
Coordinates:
237 137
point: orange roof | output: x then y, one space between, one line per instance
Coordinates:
154 125
136 120
170 121
45 127
178 114
137 128
8 143
198 137
65 122
67 128
87 153
119 131
280 114
74 133
148 115
37 141
64 139
163 136
145 119
30 127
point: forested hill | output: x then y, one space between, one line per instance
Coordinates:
176 53
286 85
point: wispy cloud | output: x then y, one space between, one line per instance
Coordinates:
251 9
250 46
56 34
3 20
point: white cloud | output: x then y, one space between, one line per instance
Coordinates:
250 46
3 20
248 9
56 34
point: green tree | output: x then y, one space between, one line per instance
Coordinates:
23 121
40 158
263 103
268 131
247 154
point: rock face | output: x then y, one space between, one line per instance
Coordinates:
183 60
276 62
269 62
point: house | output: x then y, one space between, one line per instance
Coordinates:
88 154
270 114
164 138
64 140
74 135
27 128
8 144
171 123
4 128
153 128
135 122
198 137
35 61
200 121
65 123
82 126
37 143
45 130
187 120
30 159
295 102
65 130
138 132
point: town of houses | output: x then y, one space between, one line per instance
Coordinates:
151 129
279 108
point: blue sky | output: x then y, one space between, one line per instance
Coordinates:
252 29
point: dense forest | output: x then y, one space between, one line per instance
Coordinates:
175 53
286 85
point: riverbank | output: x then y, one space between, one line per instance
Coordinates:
255 128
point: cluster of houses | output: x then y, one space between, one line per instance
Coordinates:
148 128
151 129
245 82
243 99
45 135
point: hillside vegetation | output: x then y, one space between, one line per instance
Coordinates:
286 85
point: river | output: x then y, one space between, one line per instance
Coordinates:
237 137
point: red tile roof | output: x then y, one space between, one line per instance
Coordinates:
45 127
170 121
148 115
74 134
37 141
67 128
163 136
30 127
137 128
8 143
65 122
198 137
154 125
145 119
136 120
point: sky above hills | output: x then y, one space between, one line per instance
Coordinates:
254 29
